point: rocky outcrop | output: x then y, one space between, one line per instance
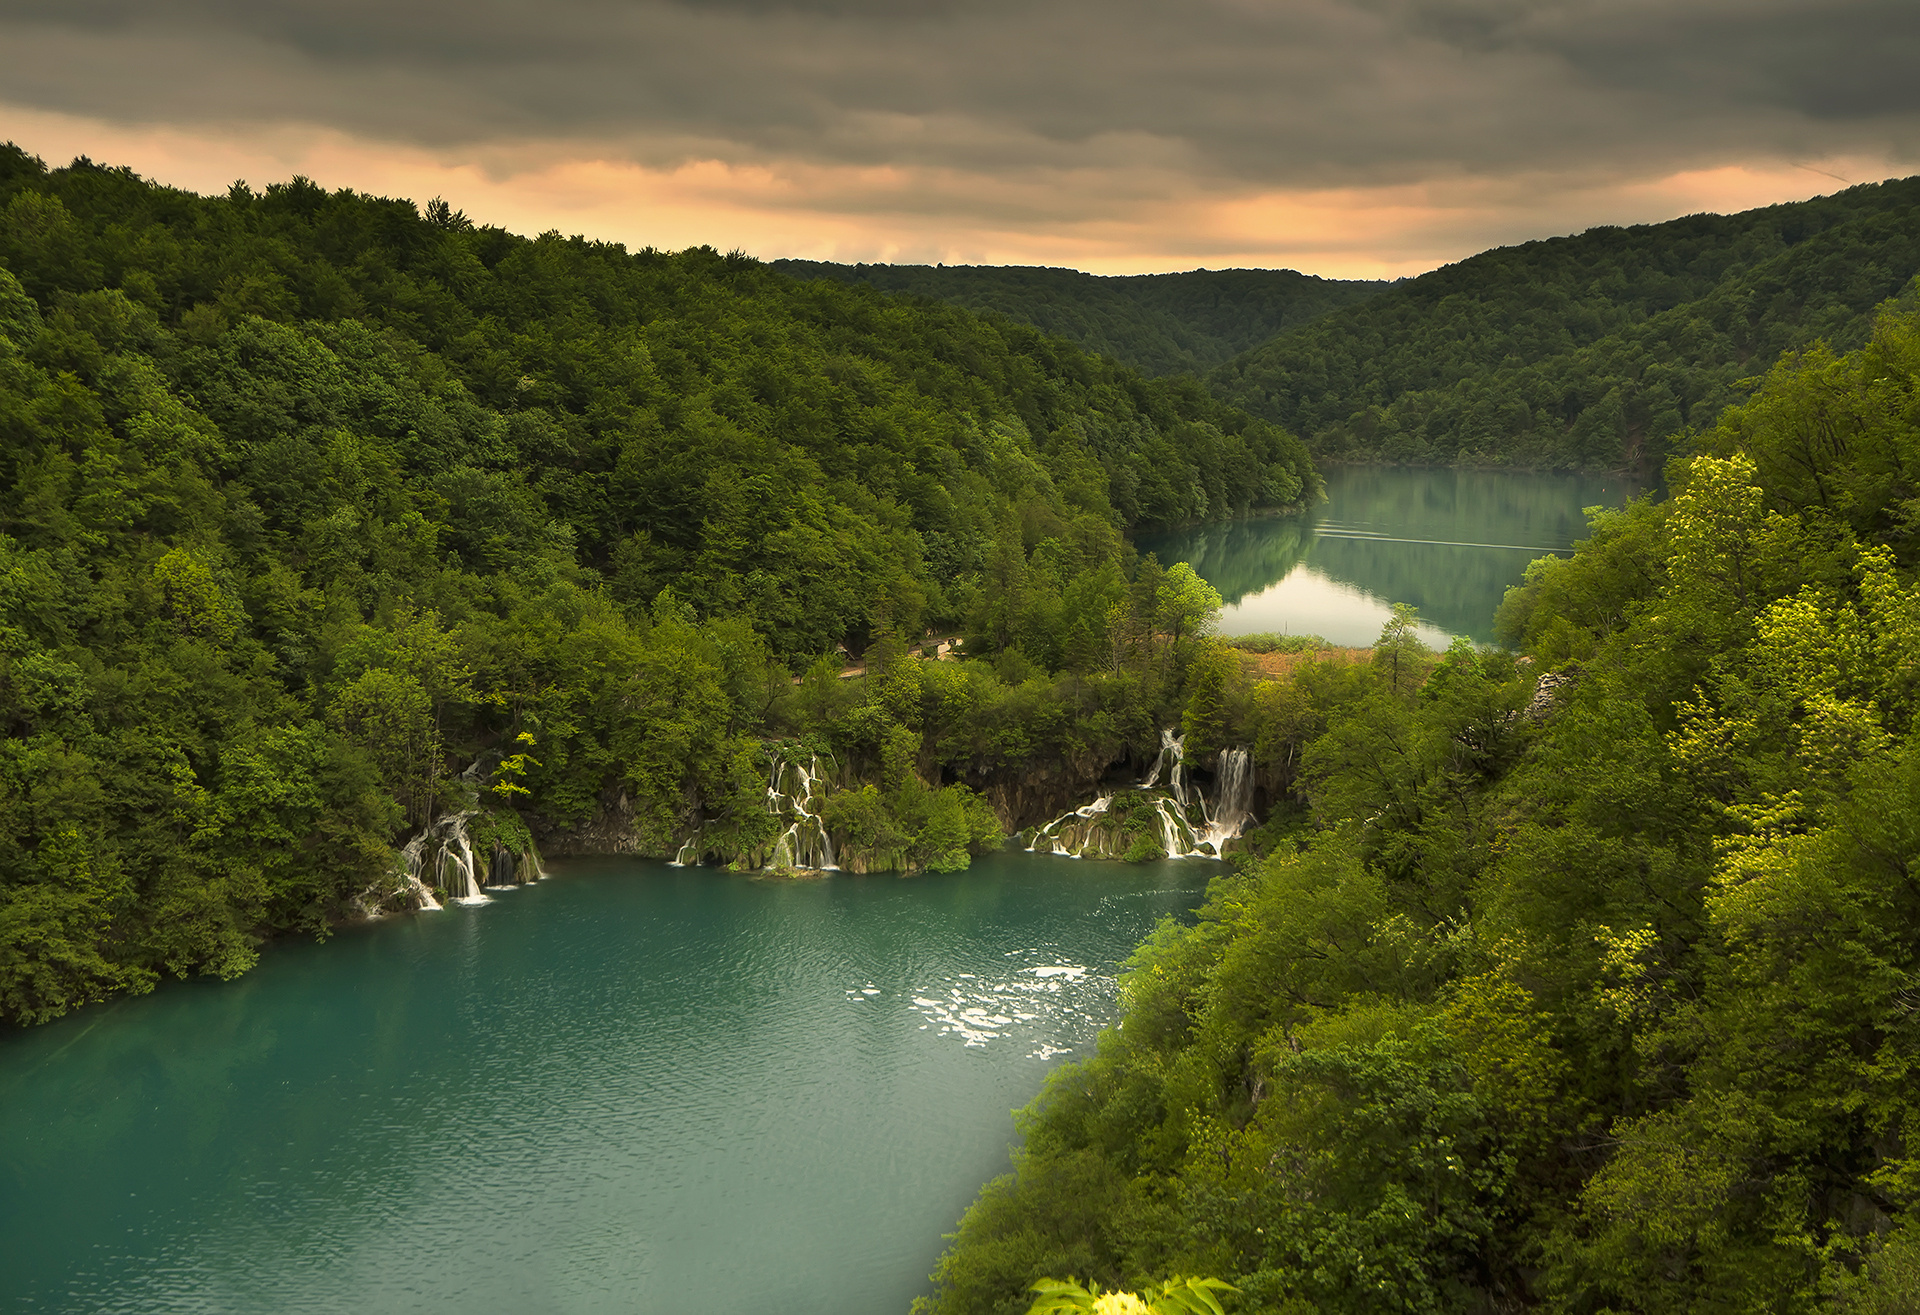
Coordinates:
613 829
1041 792
1550 692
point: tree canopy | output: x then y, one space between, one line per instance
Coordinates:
1598 351
1160 324
1580 981
322 516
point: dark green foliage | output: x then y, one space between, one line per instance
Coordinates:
1585 994
1158 323
1596 351
320 518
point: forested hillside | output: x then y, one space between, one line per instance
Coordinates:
1592 352
1159 323
1584 981
321 517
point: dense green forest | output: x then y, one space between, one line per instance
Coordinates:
322 517
1159 323
1583 977
1594 352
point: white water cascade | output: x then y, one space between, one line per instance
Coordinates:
443 855
1090 830
1072 834
452 850
805 844
417 890
1232 806
795 791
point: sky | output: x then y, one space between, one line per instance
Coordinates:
1347 138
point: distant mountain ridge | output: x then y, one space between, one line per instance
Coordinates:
1161 324
1596 351
1599 351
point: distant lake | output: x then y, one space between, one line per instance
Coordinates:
1450 542
628 1088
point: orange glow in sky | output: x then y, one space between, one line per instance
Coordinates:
1104 220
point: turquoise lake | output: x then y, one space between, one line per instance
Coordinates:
629 1088
1450 542
635 1087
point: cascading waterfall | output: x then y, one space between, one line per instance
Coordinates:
805 843
1233 796
1072 834
462 853
1097 829
443 855
451 848
1173 759
417 890
1173 748
507 869
795 792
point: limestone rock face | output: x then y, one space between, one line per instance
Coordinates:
1042 793
611 830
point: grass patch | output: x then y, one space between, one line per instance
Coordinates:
1272 643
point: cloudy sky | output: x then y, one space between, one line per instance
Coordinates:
1353 138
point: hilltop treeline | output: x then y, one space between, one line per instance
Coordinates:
320 516
1158 323
1589 991
1592 352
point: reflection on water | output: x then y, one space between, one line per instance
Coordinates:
1450 542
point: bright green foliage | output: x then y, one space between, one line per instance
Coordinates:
1176 1296
319 514
1587 995
1599 351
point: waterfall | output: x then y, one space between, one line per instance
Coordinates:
804 845
453 857
417 890
1172 757
1176 833
795 793
443 855
505 870
1233 795
1188 823
1174 746
457 852
1070 834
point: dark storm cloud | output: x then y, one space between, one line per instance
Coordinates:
1827 62
1289 92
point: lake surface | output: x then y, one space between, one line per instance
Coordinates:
629 1088
1450 542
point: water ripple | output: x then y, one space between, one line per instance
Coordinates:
619 1085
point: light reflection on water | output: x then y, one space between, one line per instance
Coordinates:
1450 542
607 1092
